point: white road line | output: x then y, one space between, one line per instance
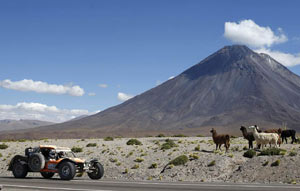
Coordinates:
48 188
201 184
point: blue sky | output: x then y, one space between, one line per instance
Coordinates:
128 46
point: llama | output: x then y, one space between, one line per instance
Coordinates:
264 138
220 139
278 131
288 133
248 135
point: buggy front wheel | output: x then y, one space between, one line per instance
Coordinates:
97 171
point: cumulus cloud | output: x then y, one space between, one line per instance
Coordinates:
103 85
124 97
171 77
41 87
283 58
249 33
38 111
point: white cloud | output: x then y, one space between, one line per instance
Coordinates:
41 87
103 85
249 33
92 94
171 77
39 111
283 58
124 97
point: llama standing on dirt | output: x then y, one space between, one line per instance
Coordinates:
264 138
288 133
248 135
220 139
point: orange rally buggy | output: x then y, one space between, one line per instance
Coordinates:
49 159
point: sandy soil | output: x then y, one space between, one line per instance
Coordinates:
118 160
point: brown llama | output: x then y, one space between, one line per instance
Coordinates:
248 135
220 139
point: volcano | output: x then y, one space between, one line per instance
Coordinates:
232 87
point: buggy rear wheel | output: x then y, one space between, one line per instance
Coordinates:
19 170
97 171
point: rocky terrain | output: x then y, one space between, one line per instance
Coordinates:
146 161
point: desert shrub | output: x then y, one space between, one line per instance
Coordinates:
0 155
230 155
136 166
293 181
272 151
45 140
200 135
193 156
168 145
108 139
245 148
134 142
91 145
180 135
233 137
161 135
22 140
82 139
125 171
212 163
143 154
138 160
276 163
293 153
118 164
266 163
197 148
153 165
3 146
113 160
180 160
171 166
236 148
76 149
250 153
129 154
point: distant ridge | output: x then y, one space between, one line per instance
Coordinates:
9 124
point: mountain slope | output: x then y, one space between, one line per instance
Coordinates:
231 87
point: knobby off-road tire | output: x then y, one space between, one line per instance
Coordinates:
47 175
19 170
36 162
67 170
98 171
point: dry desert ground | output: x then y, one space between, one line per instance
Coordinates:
146 161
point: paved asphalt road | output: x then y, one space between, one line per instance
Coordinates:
9 184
